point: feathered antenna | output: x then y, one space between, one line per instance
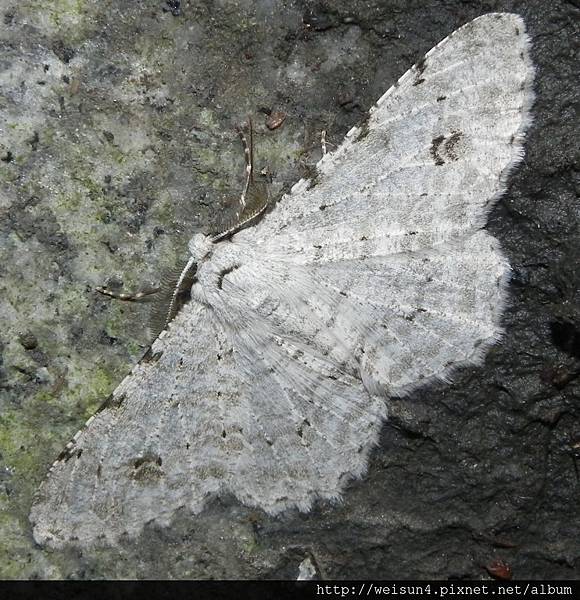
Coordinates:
249 158
253 201
172 293
175 291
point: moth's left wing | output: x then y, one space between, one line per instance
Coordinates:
131 463
226 401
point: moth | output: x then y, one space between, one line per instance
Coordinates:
370 279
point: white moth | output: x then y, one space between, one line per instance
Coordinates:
372 279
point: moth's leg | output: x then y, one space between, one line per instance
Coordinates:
249 158
136 297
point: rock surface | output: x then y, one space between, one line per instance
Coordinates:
117 142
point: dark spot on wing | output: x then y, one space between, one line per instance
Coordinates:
445 149
64 455
441 98
147 458
112 401
451 145
411 316
152 357
419 69
147 468
435 145
300 430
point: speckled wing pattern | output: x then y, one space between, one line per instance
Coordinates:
364 282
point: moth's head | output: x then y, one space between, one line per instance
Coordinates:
200 246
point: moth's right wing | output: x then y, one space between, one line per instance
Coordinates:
429 164
393 322
390 234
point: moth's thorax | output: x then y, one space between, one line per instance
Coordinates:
200 246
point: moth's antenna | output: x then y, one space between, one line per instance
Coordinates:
250 125
133 297
252 212
249 158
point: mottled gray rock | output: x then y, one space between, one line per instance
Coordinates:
118 143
